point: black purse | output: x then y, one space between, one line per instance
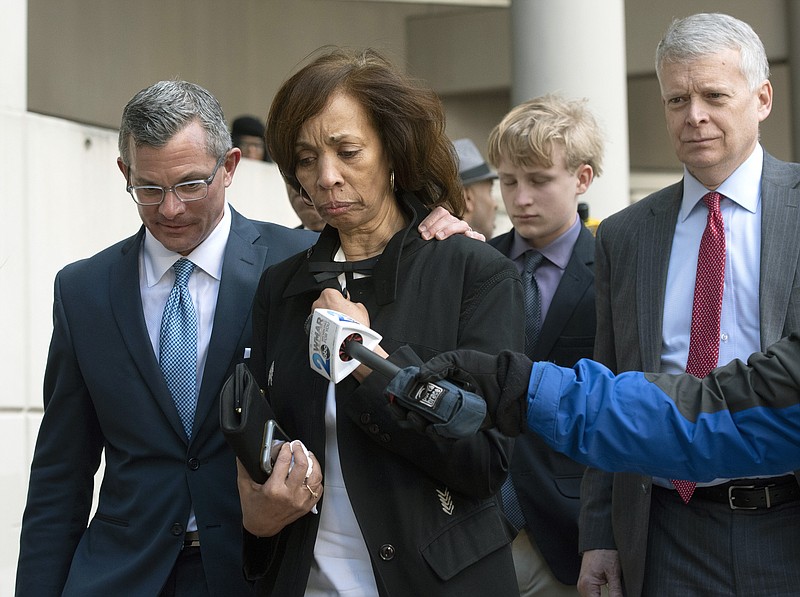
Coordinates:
244 414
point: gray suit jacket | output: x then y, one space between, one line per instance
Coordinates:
633 248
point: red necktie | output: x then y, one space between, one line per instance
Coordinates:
707 306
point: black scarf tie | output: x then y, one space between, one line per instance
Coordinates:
327 270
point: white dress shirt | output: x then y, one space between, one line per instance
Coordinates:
341 566
740 328
156 278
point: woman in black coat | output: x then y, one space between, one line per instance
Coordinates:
399 513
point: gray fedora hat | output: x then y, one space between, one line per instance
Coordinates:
471 165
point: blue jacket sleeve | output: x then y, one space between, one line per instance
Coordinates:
741 420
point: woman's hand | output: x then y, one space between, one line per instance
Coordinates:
440 224
286 496
333 299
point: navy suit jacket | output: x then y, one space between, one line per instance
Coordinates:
104 394
547 482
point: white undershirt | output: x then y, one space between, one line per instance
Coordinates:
341 564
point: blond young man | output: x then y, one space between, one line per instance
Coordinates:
546 152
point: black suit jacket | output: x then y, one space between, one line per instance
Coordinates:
547 482
104 393
425 505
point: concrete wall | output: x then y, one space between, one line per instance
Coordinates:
61 194
88 57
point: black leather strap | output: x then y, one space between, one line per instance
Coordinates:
746 494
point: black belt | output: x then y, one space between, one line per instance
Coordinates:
760 494
191 539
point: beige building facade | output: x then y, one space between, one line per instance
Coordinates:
70 66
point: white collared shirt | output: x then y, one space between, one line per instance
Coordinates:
341 565
740 326
156 278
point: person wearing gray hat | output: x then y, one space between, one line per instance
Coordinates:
477 180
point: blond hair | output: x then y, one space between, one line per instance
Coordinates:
526 134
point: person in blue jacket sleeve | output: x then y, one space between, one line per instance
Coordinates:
740 420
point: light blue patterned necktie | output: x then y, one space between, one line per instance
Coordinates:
178 345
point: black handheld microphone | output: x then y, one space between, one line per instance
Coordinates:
454 412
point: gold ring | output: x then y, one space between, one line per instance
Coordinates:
311 491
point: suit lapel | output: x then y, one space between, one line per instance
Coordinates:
126 304
652 264
577 278
780 222
242 266
503 242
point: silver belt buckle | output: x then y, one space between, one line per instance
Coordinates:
191 539
731 496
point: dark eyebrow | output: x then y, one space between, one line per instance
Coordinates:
145 182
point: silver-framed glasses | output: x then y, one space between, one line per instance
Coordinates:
190 190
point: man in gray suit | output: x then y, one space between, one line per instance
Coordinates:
636 531
477 181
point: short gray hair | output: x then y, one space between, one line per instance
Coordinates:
703 34
155 114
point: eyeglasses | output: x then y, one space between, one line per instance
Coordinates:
191 190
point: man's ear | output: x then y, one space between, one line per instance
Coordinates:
469 204
585 174
233 159
122 168
764 98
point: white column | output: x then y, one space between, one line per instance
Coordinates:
577 48
17 428
14 278
14 48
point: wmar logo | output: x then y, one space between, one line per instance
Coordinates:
341 316
322 359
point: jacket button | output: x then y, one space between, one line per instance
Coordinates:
386 438
176 529
387 552
374 428
365 418
194 464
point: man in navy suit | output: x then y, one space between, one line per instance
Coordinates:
547 151
168 520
